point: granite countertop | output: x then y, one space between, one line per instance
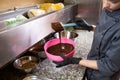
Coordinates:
47 69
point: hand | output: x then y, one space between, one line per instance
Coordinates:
83 24
67 60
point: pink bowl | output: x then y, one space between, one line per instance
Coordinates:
54 42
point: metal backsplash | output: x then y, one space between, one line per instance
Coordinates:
89 10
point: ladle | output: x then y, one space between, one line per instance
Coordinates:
58 26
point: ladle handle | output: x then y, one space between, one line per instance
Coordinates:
69 24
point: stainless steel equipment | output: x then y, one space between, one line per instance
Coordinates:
17 39
26 63
89 10
10 72
66 34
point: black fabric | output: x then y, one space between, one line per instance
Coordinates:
106 47
67 60
81 23
116 76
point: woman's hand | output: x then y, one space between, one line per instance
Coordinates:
83 24
67 60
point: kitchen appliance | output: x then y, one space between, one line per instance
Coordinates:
17 41
32 77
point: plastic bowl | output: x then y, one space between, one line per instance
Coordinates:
54 42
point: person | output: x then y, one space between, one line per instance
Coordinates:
102 62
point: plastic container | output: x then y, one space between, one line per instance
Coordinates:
54 42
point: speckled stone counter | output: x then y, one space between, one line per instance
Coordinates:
47 70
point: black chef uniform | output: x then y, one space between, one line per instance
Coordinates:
106 46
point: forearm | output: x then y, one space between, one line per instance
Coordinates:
89 63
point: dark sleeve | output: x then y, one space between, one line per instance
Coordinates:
111 62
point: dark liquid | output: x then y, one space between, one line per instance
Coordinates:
60 39
57 26
29 65
58 50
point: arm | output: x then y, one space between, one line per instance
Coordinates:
72 60
89 63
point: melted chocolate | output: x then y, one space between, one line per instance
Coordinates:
60 48
57 26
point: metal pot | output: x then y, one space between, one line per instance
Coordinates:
26 63
32 77
66 34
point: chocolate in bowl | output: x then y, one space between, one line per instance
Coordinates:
60 48
26 63
56 56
